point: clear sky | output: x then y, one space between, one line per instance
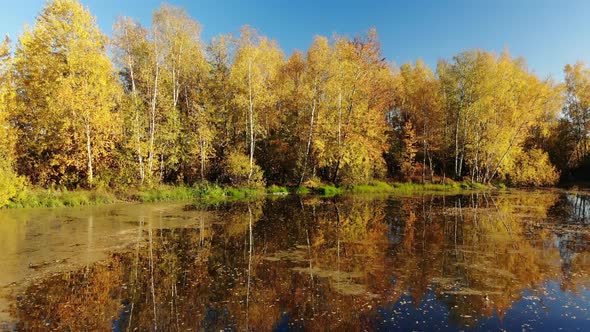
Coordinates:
548 33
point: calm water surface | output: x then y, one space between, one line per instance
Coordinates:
505 261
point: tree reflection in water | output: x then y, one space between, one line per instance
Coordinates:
514 260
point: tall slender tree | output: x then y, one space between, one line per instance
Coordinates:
67 89
253 74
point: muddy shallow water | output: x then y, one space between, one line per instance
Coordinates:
515 261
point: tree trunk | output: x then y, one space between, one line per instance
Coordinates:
475 171
89 152
462 159
431 168
339 136
308 149
138 139
505 153
457 125
457 145
161 167
424 151
251 120
176 78
202 141
339 120
348 118
153 113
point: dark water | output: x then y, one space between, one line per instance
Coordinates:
512 261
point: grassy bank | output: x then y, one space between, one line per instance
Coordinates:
211 193
60 198
396 188
51 198
181 193
401 188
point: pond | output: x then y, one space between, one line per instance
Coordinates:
517 260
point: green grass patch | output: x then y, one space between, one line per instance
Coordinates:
408 188
396 188
274 189
301 190
209 193
411 188
242 193
371 187
166 193
477 185
38 198
328 190
205 191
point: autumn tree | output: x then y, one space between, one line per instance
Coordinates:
7 100
577 110
224 122
253 74
11 185
360 95
66 93
131 55
417 100
316 77
284 145
490 103
237 110
165 71
408 157
184 137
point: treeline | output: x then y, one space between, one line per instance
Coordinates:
158 105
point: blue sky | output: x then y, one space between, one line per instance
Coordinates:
547 33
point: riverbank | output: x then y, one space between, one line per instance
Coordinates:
212 193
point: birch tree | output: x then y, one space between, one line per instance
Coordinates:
577 109
316 76
131 49
67 90
253 73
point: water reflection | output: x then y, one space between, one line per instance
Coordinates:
514 261
38 242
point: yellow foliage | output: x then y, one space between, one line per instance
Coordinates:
409 150
65 116
530 168
237 170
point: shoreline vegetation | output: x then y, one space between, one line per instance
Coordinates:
145 113
214 194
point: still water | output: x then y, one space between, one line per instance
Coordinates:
503 261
